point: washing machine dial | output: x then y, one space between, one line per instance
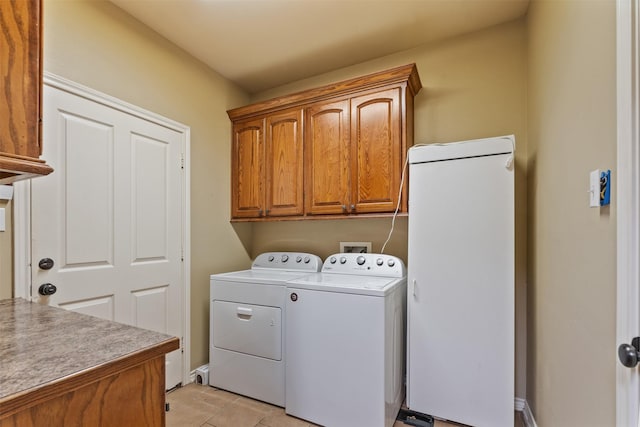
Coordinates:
298 259
307 260
270 258
360 260
391 263
343 260
379 261
332 260
285 258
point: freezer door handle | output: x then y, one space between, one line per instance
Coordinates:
415 288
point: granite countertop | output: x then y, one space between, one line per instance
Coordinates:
41 344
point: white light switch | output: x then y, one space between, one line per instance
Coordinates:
2 220
594 189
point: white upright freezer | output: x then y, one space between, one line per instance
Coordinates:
460 299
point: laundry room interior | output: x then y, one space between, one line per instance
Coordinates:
542 72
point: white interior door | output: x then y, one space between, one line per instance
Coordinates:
628 214
110 217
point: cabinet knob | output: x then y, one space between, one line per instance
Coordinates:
353 208
344 208
260 212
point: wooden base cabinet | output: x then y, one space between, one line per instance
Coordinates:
132 397
21 90
346 160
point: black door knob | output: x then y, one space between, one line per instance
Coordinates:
45 264
47 289
629 355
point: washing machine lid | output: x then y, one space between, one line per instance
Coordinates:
267 277
348 283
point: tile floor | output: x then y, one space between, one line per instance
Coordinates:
204 406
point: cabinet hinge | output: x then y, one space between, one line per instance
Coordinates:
182 161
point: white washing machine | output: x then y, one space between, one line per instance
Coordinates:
246 342
346 342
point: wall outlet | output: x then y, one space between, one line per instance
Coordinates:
355 247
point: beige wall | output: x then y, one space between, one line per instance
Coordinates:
96 44
572 275
473 86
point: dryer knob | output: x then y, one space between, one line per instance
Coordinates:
307 260
391 263
270 258
379 261
343 260
360 260
332 260
298 258
285 258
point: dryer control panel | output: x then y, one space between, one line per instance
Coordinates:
292 261
365 264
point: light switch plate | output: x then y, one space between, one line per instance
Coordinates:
594 189
6 192
2 219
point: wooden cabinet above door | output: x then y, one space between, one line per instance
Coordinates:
328 152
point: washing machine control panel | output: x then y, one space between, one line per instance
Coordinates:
365 264
295 261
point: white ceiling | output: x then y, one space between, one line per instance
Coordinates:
261 44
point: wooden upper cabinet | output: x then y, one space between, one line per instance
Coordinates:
21 90
335 150
283 154
327 162
247 169
376 149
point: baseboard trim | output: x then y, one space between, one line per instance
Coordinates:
527 415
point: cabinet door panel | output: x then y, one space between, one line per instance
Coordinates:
284 164
327 158
20 65
247 169
376 151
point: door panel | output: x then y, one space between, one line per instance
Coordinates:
327 149
376 146
284 164
86 244
247 174
110 216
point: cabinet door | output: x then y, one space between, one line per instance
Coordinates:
284 164
20 90
247 169
327 158
376 151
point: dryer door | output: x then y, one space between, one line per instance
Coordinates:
248 328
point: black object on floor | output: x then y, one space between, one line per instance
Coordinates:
415 418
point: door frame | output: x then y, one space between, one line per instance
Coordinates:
628 212
22 208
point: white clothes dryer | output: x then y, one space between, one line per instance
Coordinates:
246 343
345 342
